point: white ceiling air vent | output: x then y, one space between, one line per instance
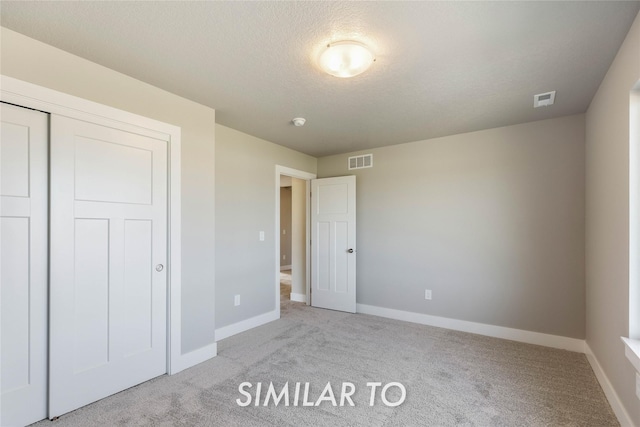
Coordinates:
361 162
544 99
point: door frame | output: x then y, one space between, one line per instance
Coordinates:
307 177
634 211
24 94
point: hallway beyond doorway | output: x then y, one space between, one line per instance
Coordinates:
285 285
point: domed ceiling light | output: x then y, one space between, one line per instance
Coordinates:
346 59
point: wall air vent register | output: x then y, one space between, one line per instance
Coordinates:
361 162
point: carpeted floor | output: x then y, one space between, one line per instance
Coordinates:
451 379
285 284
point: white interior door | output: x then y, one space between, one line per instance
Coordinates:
333 239
23 265
108 251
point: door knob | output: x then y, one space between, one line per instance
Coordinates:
350 251
159 267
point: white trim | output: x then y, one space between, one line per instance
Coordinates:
632 351
308 241
634 211
245 325
285 267
283 170
29 95
298 297
195 357
555 341
176 361
295 173
614 400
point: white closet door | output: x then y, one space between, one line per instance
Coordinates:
108 261
23 265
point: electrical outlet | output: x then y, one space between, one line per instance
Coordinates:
427 294
284 231
638 385
236 300
284 257
262 236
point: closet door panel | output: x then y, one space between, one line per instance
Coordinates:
108 258
23 265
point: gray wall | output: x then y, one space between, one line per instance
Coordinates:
285 226
491 221
32 61
607 214
245 205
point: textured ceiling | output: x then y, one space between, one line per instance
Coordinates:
442 68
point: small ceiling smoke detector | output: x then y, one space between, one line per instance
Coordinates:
299 121
544 99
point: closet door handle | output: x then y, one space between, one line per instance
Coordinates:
159 267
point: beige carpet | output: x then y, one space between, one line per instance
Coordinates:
451 379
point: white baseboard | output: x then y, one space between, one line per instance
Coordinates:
245 325
298 297
194 357
285 267
614 400
555 341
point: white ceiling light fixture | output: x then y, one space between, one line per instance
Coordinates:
298 121
346 58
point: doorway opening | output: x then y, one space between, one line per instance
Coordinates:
292 266
286 236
